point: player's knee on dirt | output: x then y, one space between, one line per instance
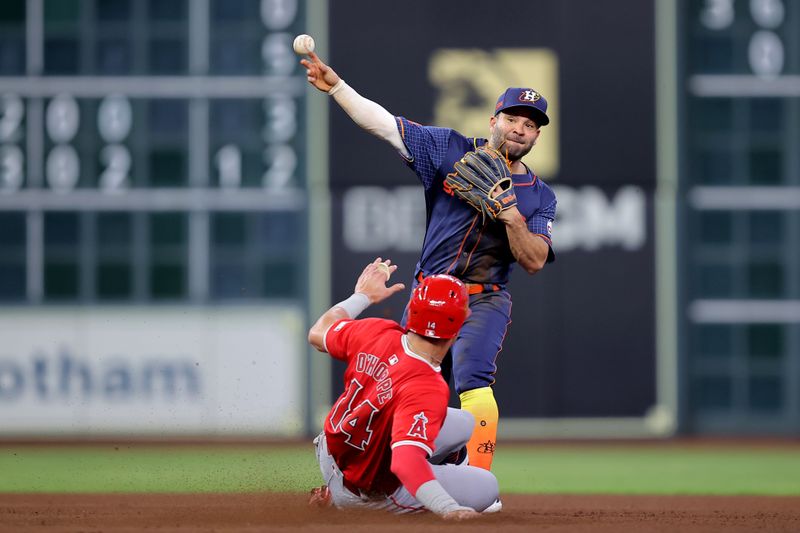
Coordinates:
469 486
490 493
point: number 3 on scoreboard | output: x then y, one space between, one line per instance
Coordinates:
354 421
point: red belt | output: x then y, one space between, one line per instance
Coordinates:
472 288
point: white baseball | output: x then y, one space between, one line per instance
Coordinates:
303 44
383 267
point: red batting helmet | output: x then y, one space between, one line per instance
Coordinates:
438 307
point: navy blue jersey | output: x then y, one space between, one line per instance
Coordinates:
456 241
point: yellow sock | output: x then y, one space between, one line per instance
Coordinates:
482 405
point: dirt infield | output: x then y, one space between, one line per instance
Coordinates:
223 513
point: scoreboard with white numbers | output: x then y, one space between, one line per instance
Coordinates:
152 151
739 231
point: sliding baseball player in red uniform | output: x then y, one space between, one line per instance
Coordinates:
477 247
387 435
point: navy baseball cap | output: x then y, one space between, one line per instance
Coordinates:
524 97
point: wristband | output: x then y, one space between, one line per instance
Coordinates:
354 305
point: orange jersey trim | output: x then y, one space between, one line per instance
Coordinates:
463 241
469 258
532 183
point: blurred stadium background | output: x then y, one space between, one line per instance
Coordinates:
176 205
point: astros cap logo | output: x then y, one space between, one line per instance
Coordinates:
529 95
482 75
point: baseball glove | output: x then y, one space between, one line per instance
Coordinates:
483 179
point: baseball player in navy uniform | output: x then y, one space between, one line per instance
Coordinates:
459 241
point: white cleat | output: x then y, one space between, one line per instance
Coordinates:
496 507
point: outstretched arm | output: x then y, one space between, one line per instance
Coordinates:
370 288
366 113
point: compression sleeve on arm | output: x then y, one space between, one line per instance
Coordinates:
369 115
410 466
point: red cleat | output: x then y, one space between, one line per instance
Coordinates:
320 497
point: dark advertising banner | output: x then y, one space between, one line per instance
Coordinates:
582 340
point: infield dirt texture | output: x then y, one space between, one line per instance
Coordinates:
274 512
556 487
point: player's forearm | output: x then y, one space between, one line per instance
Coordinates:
349 308
369 115
410 466
528 249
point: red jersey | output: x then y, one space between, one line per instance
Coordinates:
393 397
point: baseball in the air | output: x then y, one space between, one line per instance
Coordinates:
383 267
303 44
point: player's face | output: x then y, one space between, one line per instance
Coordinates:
517 129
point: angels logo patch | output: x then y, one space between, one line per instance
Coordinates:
419 428
550 227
